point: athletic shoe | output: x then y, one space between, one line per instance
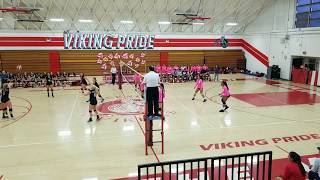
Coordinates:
192 98
5 117
102 100
221 110
204 100
99 118
227 107
90 119
87 100
11 115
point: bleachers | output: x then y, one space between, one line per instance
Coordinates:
227 58
30 61
85 60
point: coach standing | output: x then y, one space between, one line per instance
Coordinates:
152 81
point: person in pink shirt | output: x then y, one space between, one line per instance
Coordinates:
169 69
204 67
175 67
163 68
225 94
161 96
137 80
199 69
199 87
142 87
158 69
194 69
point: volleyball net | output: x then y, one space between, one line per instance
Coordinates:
130 78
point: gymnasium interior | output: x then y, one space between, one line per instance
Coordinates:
58 57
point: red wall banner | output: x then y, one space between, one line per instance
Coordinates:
164 56
54 61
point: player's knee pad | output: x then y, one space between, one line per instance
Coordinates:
90 111
95 110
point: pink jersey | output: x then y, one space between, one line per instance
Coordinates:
161 95
175 67
158 69
193 69
163 68
199 84
137 78
205 67
225 91
142 87
198 69
169 69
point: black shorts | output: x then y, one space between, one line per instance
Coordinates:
84 82
49 83
5 100
93 102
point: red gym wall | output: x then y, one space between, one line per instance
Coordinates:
85 60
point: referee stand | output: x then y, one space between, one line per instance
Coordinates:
149 129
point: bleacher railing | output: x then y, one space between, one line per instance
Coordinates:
253 166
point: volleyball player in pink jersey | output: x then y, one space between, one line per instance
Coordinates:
161 95
199 87
225 94
137 80
142 87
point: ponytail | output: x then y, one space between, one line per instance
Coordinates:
297 159
225 84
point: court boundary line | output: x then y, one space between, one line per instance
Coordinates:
257 114
22 116
153 152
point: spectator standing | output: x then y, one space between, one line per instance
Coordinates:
113 71
315 169
216 73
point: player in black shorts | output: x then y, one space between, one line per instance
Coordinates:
92 92
83 82
49 84
95 83
5 101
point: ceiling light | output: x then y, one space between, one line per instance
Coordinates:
56 20
85 20
198 23
164 22
126 22
232 24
